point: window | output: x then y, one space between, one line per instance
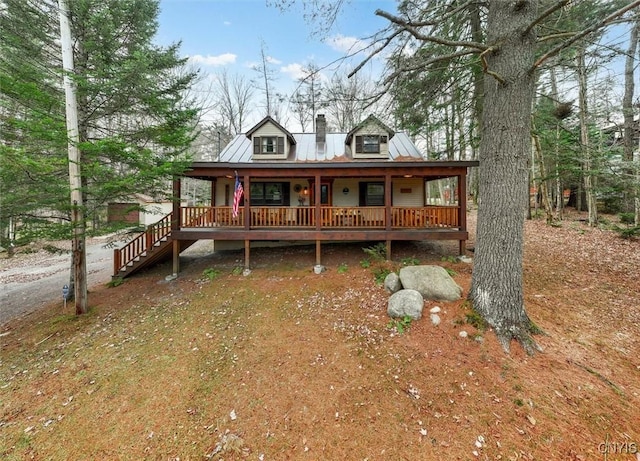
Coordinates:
369 144
371 194
269 193
268 145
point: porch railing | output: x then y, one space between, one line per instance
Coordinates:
331 217
278 217
142 243
153 234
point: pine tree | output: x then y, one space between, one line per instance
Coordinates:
135 124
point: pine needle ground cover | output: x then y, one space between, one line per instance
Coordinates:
288 364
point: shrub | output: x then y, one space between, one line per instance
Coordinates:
211 273
377 252
627 218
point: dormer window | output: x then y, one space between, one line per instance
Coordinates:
369 144
268 145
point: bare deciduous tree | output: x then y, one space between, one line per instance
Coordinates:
233 94
347 100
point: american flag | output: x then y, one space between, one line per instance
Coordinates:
237 195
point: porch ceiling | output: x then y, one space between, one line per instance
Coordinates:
434 169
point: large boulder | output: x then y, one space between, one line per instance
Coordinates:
405 303
392 283
433 282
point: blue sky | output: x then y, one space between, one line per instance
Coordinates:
219 34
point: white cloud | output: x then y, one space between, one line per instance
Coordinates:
295 71
344 44
258 64
208 60
227 23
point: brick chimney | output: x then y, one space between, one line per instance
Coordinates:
321 128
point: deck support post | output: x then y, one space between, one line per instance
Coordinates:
318 253
176 257
388 250
247 254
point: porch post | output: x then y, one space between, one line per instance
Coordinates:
388 250
387 202
175 222
462 209
213 200
247 211
175 225
318 202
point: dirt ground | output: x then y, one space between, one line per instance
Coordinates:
286 364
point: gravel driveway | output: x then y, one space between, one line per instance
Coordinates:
31 281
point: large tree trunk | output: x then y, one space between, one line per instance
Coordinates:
477 34
543 189
587 156
627 111
497 290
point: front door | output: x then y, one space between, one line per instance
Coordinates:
326 197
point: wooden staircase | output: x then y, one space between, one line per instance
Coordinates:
152 246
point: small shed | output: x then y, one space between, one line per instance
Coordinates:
141 210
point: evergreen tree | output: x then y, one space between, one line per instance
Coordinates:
135 125
32 129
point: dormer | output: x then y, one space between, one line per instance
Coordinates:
270 140
370 139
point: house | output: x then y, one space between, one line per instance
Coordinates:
365 185
141 210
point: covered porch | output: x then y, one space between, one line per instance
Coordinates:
331 204
307 202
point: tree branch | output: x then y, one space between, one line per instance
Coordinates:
485 67
444 17
374 52
556 36
545 14
428 63
584 33
428 38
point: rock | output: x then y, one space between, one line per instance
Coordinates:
433 282
392 283
406 303
319 269
463 334
465 259
435 310
435 319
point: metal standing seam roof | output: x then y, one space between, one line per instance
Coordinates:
306 149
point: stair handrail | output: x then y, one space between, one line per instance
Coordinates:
145 242
141 244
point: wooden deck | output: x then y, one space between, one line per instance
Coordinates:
288 224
